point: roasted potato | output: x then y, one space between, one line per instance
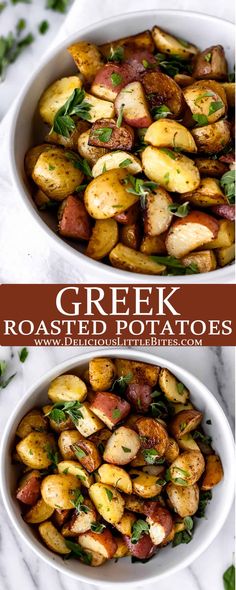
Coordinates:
87 454
225 236
80 521
71 142
205 261
110 408
135 504
225 255
212 138
140 41
59 490
174 171
115 476
130 236
141 373
34 450
110 80
99 109
52 538
187 443
160 523
28 490
206 99
117 159
89 152
88 423
106 195
132 102
34 421
74 468
184 422
39 512
103 239
143 549
169 133
102 373
103 543
153 435
160 90
73 219
56 95
170 45
66 424
32 156
106 133
207 194
213 472
157 214
88 59
67 388
229 88
184 500
154 244
225 211
209 167
122 446
187 469
108 502
128 259
173 390
66 441
55 174
122 549
126 523
140 396
144 484
211 63
193 231
172 450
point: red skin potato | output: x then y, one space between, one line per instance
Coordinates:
136 60
105 537
228 158
122 137
225 211
143 549
203 219
108 403
29 493
159 515
139 396
74 221
103 77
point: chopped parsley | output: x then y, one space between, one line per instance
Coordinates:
78 551
180 387
151 456
79 163
58 5
109 494
11 47
80 453
173 65
4 382
208 57
200 120
140 188
229 578
215 106
43 27
121 383
78 500
168 153
116 54
97 527
126 450
181 537
125 163
175 265
60 411
116 413
116 79
202 437
161 112
104 134
139 528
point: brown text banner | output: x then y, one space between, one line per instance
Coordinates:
117 315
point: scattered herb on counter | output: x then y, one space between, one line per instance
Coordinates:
58 5
97 527
176 265
78 551
121 383
116 54
76 105
179 210
205 497
21 25
23 354
21 1
227 183
104 134
4 382
2 6
10 48
139 528
43 27
229 578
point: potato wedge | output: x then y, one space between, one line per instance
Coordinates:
28 489
142 40
87 57
207 194
96 559
53 539
172 450
34 421
87 454
135 504
110 408
126 523
140 397
115 476
73 219
225 211
211 63
229 88
121 550
110 80
41 200
89 423
191 232
129 259
65 442
187 469
117 159
213 472
183 80
106 195
103 543
133 103
55 96
178 407
212 138
207 99
144 484
161 89
153 436
225 255
160 523
99 109
130 216
59 490
74 468
71 142
39 512
157 215
122 446
141 373
208 167
32 156
67 388
205 261
184 500
104 238
173 390
170 45
171 170
102 372
154 244
130 236
81 521
184 422
33 450
106 133
108 502
55 174
225 236
187 443
143 549
89 152
169 133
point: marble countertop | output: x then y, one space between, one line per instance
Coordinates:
215 367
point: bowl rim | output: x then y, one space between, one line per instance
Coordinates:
225 274
148 357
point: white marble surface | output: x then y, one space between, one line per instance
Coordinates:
18 564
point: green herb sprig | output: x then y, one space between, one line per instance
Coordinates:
60 411
229 578
139 528
58 5
77 106
179 210
120 384
227 183
175 266
140 188
78 551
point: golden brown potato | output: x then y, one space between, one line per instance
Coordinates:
178 407
66 424
108 502
67 388
129 259
191 232
225 236
144 484
206 98
88 455
104 237
211 63
41 200
66 440
74 468
183 80
103 543
169 133
114 138
142 373
122 446
140 41
55 174
80 521
99 109
32 156
121 550
161 89
135 504
152 435
184 500
173 390
71 142
213 472
87 57
89 152
102 373
34 421
107 194
172 450
187 443
157 215
208 167
229 88
88 424
173 171
184 422
207 194
225 255
28 488
118 159
187 469
205 261
60 490
130 235
154 244
53 539
171 45
115 476
55 96
126 523
34 449
212 138
39 512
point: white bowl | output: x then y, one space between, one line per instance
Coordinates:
201 29
168 560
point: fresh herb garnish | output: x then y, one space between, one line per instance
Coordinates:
229 578
199 98
4 382
78 551
79 163
21 1
207 57
43 27
161 112
116 413
120 116
58 5
215 106
205 497
97 527
52 455
2 6
60 411
188 523
150 456
104 134
202 437
76 105
168 153
116 54
139 528
23 354
159 409
140 187
78 500
121 383
179 210
20 25
227 183
109 494
125 163
180 387
80 453
10 48
173 65
126 450
176 265
116 79
200 120
181 537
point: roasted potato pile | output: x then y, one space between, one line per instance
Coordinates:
117 466
137 162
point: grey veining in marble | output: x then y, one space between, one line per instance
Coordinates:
215 367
